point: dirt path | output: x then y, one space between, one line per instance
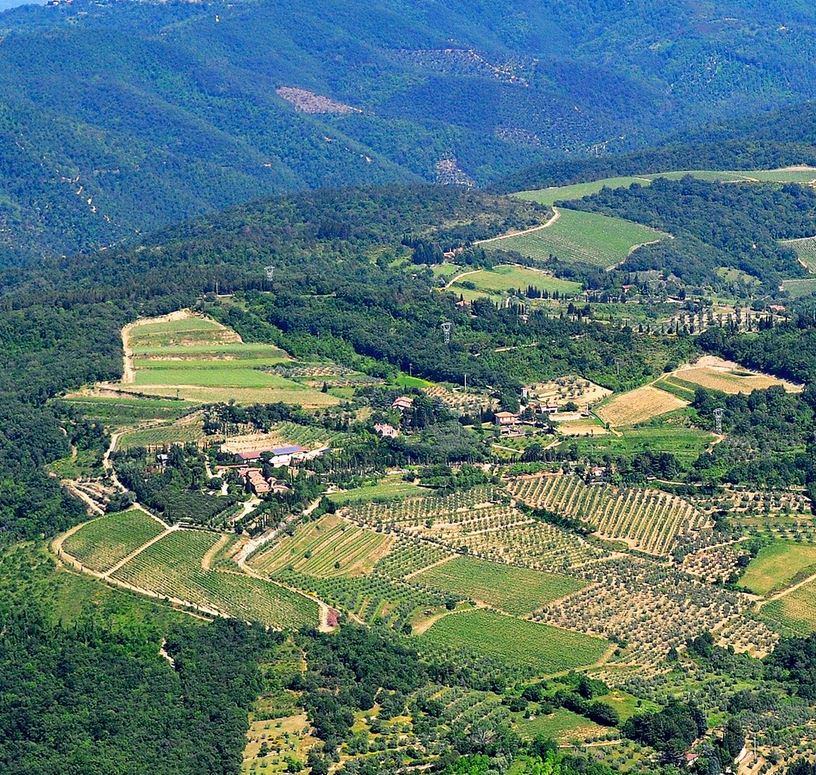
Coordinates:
93 507
520 232
209 555
108 573
458 277
798 585
128 372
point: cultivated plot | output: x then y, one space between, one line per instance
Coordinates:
588 238
795 611
102 543
515 590
778 565
198 359
535 648
548 196
639 405
714 373
506 277
329 547
173 567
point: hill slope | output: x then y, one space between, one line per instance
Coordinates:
162 111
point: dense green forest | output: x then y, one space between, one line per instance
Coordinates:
761 141
181 115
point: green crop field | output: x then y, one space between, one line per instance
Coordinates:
561 725
505 277
102 543
515 590
120 412
536 648
172 567
187 429
549 196
667 433
329 547
795 611
385 490
799 287
586 237
200 360
778 565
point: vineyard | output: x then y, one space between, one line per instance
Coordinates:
172 568
482 522
532 648
515 590
647 520
370 599
329 547
102 543
795 611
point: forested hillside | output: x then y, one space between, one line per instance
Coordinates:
162 111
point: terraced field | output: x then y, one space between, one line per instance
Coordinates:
172 567
534 648
102 543
582 237
647 520
515 590
198 359
329 547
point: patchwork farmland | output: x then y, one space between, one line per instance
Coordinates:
197 359
172 568
647 520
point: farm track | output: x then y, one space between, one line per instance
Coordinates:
785 592
433 565
519 233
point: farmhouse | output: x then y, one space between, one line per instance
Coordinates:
260 485
403 403
386 431
506 418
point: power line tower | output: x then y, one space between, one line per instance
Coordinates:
718 418
446 331
269 273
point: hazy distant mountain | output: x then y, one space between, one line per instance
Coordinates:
123 116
